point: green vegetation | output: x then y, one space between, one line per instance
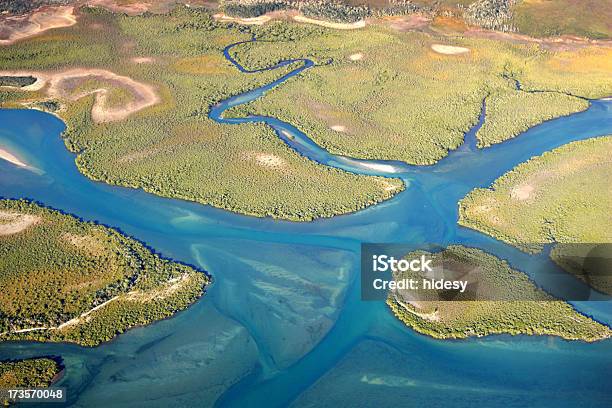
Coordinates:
248 9
333 10
28 373
527 109
379 94
33 372
393 97
173 149
67 280
561 196
524 310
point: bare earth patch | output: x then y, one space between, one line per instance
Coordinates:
131 9
15 28
522 193
408 23
143 60
143 95
356 57
329 24
338 128
59 85
270 160
171 287
449 49
14 222
388 186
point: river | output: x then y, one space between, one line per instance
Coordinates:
283 321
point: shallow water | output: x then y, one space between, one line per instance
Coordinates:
283 322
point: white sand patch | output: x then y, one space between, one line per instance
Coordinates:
388 186
246 21
11 158
338 128
522 193
449 49
329 24
270 160
14 222
356 57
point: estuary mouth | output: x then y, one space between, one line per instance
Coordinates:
270 203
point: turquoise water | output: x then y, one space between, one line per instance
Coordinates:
283 322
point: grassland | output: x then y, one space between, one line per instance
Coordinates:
67 280
172 148
562 196
524 310
401 100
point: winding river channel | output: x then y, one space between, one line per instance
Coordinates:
283 321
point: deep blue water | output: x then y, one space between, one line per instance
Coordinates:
283 322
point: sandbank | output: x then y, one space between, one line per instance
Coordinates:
11 158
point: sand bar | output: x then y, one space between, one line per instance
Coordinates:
11 158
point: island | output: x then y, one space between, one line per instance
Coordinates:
519 306
67 280
28 373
